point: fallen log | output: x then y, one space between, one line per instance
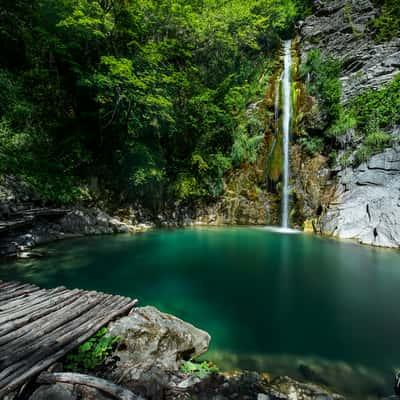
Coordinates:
107 387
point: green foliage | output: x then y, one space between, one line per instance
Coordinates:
363 154
92 353
312 145
200 369
379 106
377 140
387 24
149 96
245 147
345 122
322 78
345 159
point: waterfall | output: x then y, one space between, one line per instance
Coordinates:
286 123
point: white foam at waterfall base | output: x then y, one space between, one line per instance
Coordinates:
281 230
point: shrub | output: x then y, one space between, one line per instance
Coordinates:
92 353
312 145
387 24
322 77
346 121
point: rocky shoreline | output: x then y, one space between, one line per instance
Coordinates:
148 360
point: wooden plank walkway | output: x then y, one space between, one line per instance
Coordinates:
39 326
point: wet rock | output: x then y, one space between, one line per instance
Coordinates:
252 386
57 391
152 343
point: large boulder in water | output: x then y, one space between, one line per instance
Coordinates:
151 340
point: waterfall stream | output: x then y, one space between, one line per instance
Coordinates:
286 123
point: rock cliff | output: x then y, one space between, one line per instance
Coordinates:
365 205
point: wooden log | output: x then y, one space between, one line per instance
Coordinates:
21 310
16 324
118 392
63 314
20 292
81 314
6 285
15 286
41 325
21 307
43 360
11 360
46 293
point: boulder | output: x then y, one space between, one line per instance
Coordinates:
153 342
58 391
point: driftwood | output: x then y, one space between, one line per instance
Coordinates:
39 326
107 387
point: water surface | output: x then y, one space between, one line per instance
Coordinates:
258 293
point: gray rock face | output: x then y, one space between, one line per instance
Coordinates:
55 392
154 341
340 29
367 206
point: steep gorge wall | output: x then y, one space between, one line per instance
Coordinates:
366 202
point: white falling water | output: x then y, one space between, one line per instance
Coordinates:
286 122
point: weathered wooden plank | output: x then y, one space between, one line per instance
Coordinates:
39 326
18 292
50 323
35 300
15 324
40 322
71 322
42 360
47 344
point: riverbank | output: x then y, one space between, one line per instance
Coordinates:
151 361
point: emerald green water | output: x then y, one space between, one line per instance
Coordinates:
258 293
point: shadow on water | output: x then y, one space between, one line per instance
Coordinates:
267 299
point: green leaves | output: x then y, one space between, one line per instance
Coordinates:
91 353
387 24
147 95
201 370
322 77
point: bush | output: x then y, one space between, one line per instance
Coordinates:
379 106
312 145
322 77
377 140
345 122
387 25
363 154
92 353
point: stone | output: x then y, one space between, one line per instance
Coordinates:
367 203
341 29
57 391
153 342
